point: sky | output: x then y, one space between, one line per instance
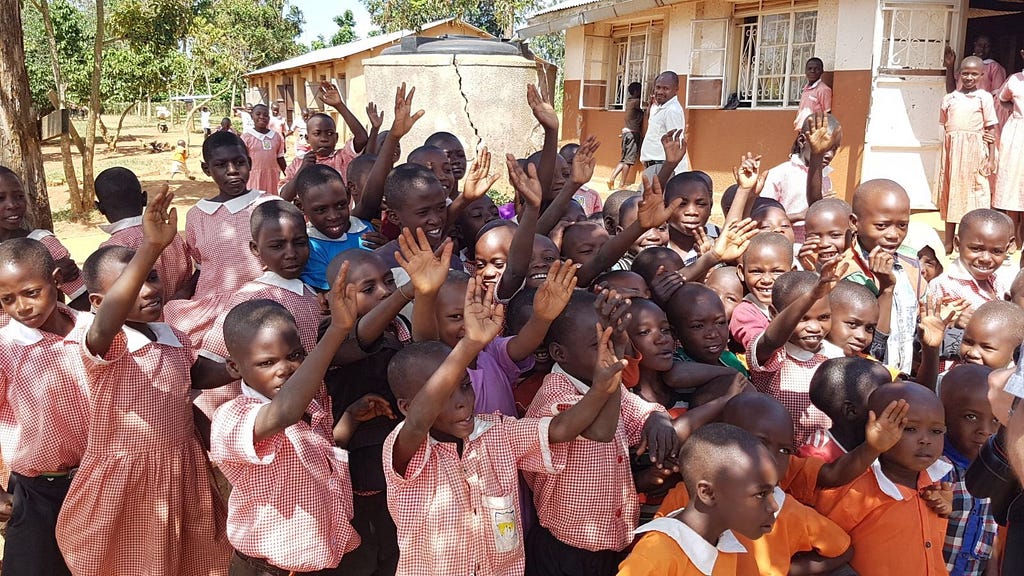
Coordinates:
320 15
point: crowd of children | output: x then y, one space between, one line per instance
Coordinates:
367 368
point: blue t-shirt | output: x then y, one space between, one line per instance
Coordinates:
323 249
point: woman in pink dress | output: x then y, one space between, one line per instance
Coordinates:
266 149
1009 196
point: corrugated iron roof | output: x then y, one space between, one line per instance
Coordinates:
562 6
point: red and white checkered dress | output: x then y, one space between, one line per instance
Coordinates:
291 501
956 282
173 267
786 376
74 288
461 515
217 240
592 504
298 298
143 501
44 401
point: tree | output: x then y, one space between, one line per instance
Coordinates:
346 29
318 43
84 206
19 137
395 15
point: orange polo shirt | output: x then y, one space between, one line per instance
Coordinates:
670 548
892 529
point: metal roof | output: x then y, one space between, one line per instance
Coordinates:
562 6
574 13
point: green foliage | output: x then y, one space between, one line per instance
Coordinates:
496 16
318 43
73 30
346 29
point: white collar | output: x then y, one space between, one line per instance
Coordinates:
697 549
355 226
250 392
39 234
122 224
164 335
810 86
556 369
234 206
937 471
828 350
479 427
295 286
764 309
958 271
252 132
780 498
25 336
673 101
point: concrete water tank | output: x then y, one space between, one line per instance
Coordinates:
474 88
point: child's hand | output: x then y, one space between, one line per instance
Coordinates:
701 240
674 145
748 172
613 312
734 240
808 254
584 161
373 240
527 184
554 294
818 136
427 268
376 118
160 221
404 118
939 498
608 372
660 440
831 273
342 301
329 94
882 433
962 312
369 407
948 58
483 317
665 285
479 179
542 110
652 211
931 326
988 137
881 264
989 167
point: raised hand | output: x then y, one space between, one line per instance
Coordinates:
329 94
369 407
665 285
427 269
931 326
584 161
652 211
883 432
674 145
404 117
542 110
831 273
735 239
613 312
818 135
483 317
948 58
747 172
160 221
376 118
526 184
554 294
808 255
342 300
962 312
702 241
479 178
608 371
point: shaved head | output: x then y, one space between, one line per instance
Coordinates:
872 191
915 394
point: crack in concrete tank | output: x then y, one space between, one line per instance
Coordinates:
469 118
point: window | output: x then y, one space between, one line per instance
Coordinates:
773 51
705 85
625 54
914 35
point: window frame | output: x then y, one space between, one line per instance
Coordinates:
749 78
724 63
610 51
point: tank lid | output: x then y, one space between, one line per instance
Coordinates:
456 44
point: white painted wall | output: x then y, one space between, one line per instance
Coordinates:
573 67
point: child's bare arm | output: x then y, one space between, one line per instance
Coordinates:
821 140
707 413
881 264
551 298
478 181
371 327
931 327
484 319
159 228
362 410
368 207
992 164
949 63
881 434
675 150
601 402
749 182
520 251
291 401
613 314
288 192
427 271
376 121
582 171
329 95
548 119
282 164
693 374
811 563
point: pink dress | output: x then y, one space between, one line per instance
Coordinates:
174 268
963 187
264 149
1010 183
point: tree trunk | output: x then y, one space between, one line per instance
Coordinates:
112 144
192 113
19 133
82 210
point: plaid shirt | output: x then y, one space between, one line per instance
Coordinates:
173 267
971 528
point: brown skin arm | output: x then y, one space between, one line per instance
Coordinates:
811 563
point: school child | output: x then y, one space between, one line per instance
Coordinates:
969 423
840 388
698 319
631 135
298 128
44 412
982 241
994 332
217 236
277 122
275 442
416 199
582 241
855 319
357 173
652 237
325 202
650 261
447 522
610 210
725 282
586 197
143 501
732 476
768 257
15 204
492 258
783 358
179 161
435 160
693 213
931 266
772 218
966 114
225 126
625 283
266 150
816 96
120 198
471 223
827 228
1010 182
886 510
453 148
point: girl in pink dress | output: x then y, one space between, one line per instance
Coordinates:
1009 196
967 158
266 149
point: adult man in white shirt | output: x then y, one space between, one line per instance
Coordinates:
665 114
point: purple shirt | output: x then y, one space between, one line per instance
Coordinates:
493 377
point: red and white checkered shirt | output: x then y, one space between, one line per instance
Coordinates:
821 444
592 504
339 160
956 282
786 376
143 495
173 267
461 515
44 401
74 288
291 497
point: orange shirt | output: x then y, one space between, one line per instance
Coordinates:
670 548
892 529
